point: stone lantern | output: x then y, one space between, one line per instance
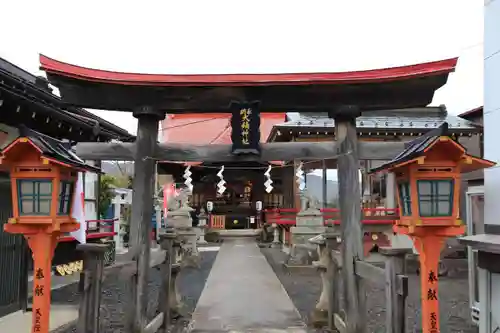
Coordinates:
43 174
202 226
428 175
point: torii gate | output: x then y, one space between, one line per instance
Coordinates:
343 95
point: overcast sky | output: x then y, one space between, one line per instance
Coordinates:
223 36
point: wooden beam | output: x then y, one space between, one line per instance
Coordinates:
276 151
369 271
216 99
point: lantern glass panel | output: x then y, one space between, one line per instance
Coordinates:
34 196
435 197
65 195
405 198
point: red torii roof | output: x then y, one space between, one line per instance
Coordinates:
366 76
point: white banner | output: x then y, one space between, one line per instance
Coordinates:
78 211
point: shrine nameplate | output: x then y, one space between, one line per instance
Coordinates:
245 125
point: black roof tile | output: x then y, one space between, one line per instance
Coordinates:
56 149
415 148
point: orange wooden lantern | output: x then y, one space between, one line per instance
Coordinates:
428 174
43 173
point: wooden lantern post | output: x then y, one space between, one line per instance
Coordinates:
43 175
428 174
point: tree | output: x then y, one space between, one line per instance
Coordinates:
106 193
124 181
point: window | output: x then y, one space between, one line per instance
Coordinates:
405 198
35 196
65 196
435 197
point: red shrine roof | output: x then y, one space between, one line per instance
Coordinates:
366 76
210 128
476 112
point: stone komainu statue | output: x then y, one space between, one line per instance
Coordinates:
308 201
179 201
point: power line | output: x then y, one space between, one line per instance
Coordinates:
493 54
220 134
471 46
192 122
490 111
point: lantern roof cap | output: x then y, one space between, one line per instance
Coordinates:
56 151
421 145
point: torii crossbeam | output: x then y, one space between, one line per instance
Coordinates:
277 151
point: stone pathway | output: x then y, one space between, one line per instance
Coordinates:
243 294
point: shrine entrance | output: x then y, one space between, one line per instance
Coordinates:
343 96
234 206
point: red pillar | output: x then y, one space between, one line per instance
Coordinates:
429 248
42 245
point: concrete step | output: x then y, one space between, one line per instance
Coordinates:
229 233
256 330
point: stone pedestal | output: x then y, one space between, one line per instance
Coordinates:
320 313
180 218
176 306
276 236
202 227
190 255
309 223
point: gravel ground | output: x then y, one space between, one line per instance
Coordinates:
304 288
115 294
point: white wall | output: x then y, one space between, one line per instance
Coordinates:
90 189
492 108
491 138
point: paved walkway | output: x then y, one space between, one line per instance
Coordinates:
243 294
21 321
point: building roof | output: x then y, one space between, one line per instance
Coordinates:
202 129
30 96
411 120
375 75
397 87
415 148
476 112
420 146
57 151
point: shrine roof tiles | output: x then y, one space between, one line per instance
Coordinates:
56 149
416 147
388 120
31 98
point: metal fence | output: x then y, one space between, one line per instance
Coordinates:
13 259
